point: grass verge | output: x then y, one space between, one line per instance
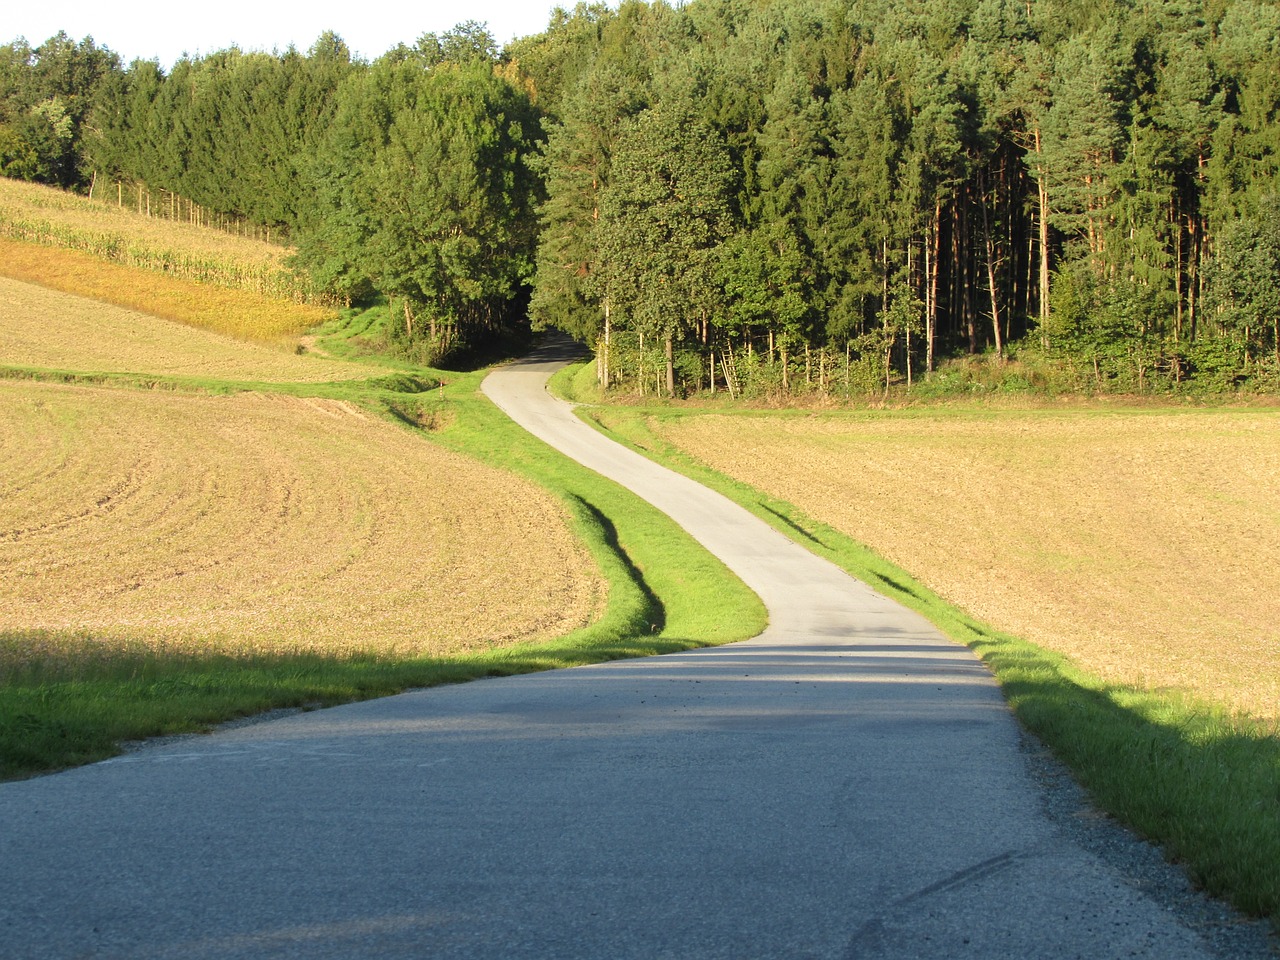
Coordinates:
665 594
1198 781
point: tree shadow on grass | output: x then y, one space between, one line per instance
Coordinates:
791 524
1201 783
653 618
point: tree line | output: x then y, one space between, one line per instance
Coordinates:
745 195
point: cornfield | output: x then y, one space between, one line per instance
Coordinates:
235 312
36 214
52 330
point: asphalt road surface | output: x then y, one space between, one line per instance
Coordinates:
849 784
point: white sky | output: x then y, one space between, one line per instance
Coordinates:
163 30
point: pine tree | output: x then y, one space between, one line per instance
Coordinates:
575 165
664 216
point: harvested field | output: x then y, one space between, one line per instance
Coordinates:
59 331
264 524
1142 544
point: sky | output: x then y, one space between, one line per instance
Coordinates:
163 30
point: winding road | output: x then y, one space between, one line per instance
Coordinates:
849 784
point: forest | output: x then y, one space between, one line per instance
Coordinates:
750 196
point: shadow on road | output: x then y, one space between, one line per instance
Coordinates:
555 347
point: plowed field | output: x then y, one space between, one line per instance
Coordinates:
257 523
1144 545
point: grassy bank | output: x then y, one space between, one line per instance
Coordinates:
1201 781
71 694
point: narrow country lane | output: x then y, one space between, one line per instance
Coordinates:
847 785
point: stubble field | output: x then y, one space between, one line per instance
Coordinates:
263 525
1142 544
255 524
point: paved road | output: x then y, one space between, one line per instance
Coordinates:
847 785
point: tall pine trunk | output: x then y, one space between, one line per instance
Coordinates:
932 253
989 243
1042 194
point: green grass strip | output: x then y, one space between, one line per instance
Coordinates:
666 593
692 598
1201 783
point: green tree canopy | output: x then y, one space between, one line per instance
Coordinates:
664 216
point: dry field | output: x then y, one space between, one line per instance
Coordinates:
1144 545
257 523
53 330
170 524
54 218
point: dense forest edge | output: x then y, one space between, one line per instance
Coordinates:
740 196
